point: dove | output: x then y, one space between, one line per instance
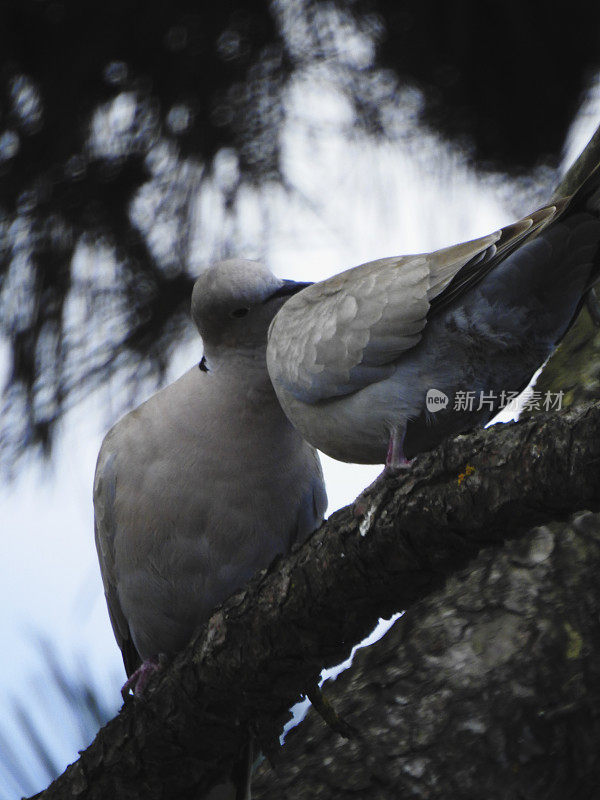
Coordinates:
385 360
204 483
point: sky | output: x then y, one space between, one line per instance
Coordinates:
368 202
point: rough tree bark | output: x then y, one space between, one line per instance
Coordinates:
487 689
267 644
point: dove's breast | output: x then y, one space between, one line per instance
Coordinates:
198 507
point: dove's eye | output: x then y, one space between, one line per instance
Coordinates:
239 312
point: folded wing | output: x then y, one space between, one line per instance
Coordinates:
344 333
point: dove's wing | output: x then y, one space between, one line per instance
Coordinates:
344 333
105 531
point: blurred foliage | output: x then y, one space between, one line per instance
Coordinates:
115 116
99 98
504 78
62 713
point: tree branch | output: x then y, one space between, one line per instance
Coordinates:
268 643
488 688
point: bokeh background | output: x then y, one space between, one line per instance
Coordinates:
141 141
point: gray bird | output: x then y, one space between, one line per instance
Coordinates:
374 364
207 481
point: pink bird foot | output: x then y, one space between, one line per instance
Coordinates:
138 680
396 461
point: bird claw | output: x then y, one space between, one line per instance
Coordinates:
138 680
398 467
391 470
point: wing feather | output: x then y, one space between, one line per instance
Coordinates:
338 336
105 485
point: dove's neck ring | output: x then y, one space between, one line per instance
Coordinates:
249 361
243 370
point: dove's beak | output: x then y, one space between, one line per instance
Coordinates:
287 288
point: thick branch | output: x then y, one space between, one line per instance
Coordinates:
488 688
268 644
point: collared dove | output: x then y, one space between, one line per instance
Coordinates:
207 481
373 365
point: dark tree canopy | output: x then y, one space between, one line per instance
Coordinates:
506 77
99 100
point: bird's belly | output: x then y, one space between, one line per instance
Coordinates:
469 381
194 550
353 428
166 597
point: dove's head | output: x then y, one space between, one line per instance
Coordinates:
234 302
